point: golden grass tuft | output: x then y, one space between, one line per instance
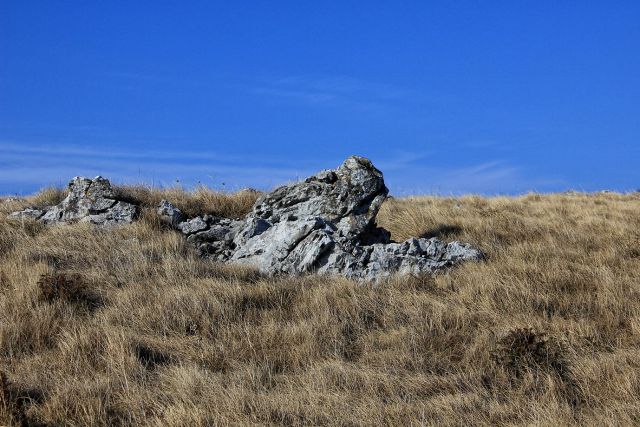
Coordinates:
49 196
545 331
200 201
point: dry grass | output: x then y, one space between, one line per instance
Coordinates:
198 202
48 197
546 331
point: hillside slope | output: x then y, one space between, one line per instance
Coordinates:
129 326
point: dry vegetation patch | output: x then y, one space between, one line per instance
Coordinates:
130 327
192 203
71 288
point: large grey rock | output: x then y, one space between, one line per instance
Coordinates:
325 224
269 249
349 197
89 200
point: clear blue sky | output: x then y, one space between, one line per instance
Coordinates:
445 97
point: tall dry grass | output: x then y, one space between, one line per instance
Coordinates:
200 201
130 327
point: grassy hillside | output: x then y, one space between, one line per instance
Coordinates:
129 326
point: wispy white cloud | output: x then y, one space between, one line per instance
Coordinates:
110 152
26 168
401 160
331 91
493 177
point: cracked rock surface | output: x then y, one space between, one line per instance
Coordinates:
89 200
326 225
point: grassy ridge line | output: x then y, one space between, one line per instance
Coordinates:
200 201
129 326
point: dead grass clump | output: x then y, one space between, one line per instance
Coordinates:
230 205
12 232
4 389
31 227
200 201
70 288
260 298
15 402
49 196
524 349
150 357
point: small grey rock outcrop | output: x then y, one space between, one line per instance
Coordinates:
326 225
212 235
31 213
169 214
89 200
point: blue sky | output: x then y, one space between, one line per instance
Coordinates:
499 97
